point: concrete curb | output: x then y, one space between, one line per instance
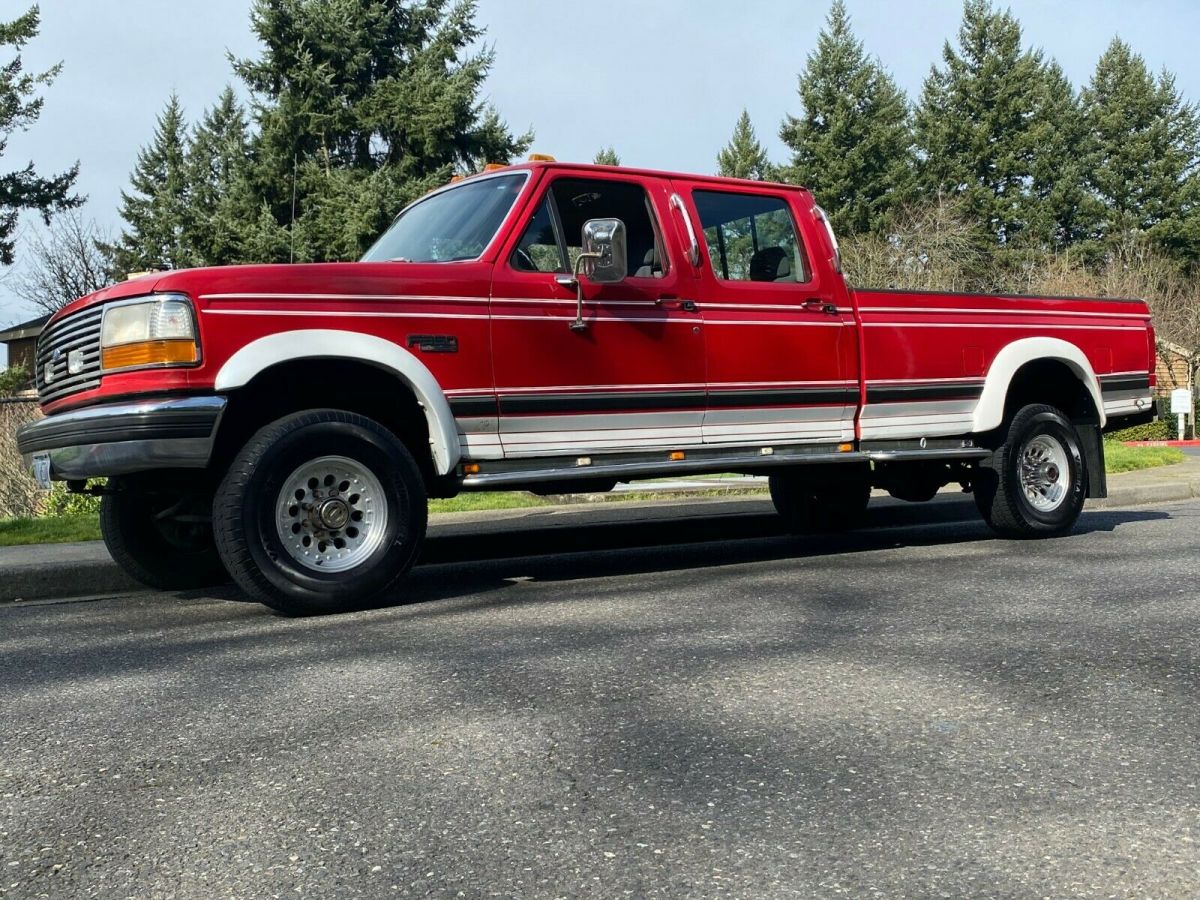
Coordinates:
60 571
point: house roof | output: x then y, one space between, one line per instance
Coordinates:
30 329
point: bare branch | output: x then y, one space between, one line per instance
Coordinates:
63 263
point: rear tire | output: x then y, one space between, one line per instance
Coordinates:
322 511
1037 480
160 551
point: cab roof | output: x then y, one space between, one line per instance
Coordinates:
534 165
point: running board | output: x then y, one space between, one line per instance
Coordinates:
631 466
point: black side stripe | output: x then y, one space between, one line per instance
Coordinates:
911 393
472 407
601 402
787 397
624 401
1109 385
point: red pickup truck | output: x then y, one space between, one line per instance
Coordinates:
557 328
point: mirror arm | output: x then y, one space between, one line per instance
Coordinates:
574 279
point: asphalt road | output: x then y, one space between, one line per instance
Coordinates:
682 707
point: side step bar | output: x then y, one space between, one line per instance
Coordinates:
498 473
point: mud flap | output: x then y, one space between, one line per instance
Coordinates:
1093 457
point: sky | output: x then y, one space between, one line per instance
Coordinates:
662 81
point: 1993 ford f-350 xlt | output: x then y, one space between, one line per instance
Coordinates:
559 328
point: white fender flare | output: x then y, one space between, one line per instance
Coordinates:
319 343
989 412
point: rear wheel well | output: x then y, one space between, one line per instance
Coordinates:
344 384
1054 383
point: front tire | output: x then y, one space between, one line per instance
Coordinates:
1036 483
322 511
160 535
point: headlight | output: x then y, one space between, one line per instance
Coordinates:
157 332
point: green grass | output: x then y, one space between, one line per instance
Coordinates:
51 530
1119 458
485 500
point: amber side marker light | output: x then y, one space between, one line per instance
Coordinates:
470 468
149 353
845 448
676 455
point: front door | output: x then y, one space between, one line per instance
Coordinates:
780 345
633 378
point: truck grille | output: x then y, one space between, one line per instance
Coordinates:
81 332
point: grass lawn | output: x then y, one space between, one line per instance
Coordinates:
51 530
61 529
1119 458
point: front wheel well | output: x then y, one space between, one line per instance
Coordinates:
344 384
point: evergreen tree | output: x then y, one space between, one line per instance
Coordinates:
852 145
607 157
155 210
1144 151
219 204
362 105
19 109
744 156
1000 127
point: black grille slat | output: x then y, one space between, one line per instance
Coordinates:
80 331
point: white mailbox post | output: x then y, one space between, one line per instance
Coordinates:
1181 406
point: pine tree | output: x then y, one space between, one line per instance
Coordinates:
607 156
852 144
744 156
362 105
19 109
155 210
1000 127
219 204
1144 151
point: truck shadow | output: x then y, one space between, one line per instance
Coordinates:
459 564
470 560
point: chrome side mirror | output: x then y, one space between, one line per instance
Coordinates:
605 253
604 260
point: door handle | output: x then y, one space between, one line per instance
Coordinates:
818 305
679 303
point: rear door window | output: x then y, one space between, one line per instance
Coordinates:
751 237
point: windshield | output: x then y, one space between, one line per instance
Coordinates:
453 224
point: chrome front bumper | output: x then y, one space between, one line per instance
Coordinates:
120 438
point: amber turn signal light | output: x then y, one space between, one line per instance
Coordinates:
149 353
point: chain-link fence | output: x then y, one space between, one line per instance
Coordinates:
19 494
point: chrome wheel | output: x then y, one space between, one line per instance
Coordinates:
331 514
1045 473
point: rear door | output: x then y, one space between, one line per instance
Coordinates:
781 350
633 379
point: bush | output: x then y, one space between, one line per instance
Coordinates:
13 380
1150 431
61 502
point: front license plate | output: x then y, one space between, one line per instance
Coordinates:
41 470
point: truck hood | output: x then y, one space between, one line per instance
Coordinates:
276 282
